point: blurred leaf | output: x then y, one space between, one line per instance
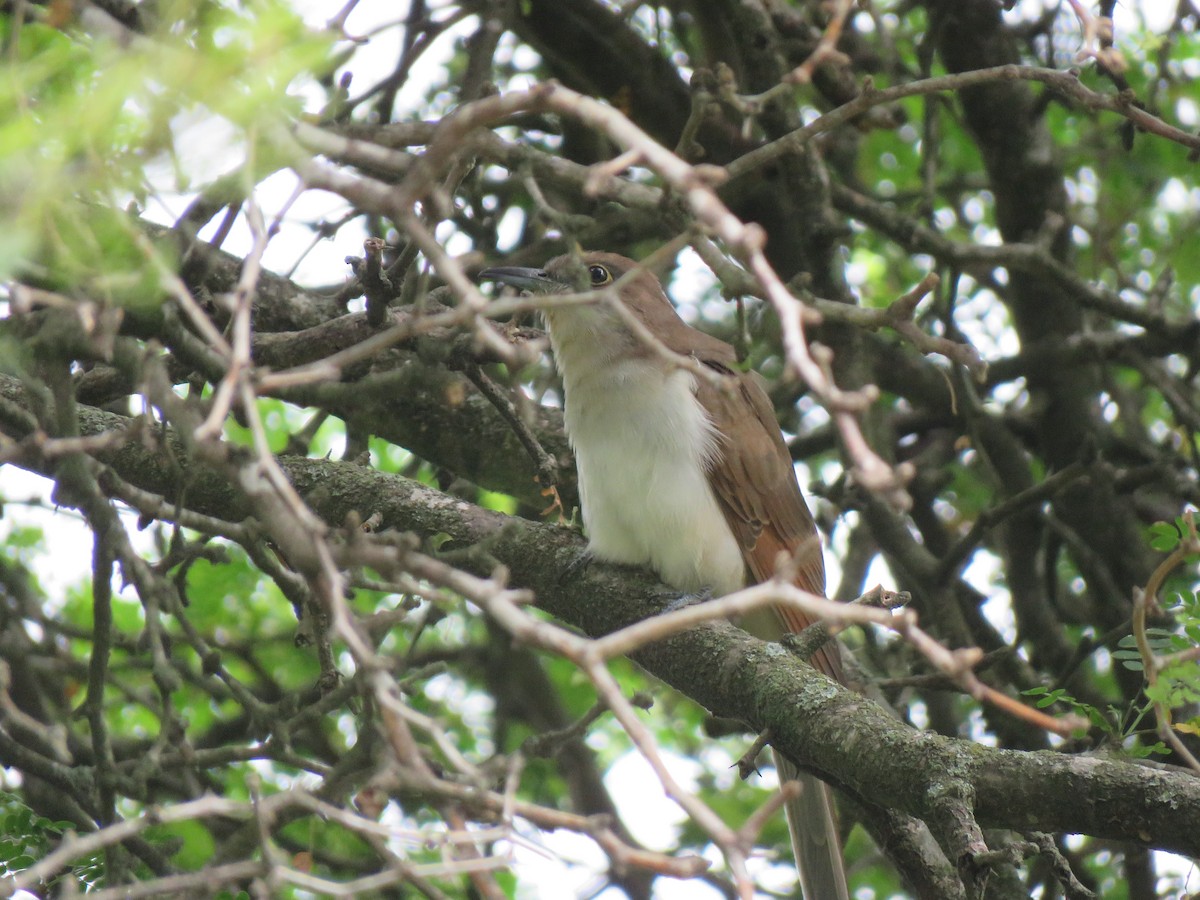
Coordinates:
1163 537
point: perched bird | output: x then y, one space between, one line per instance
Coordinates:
686 477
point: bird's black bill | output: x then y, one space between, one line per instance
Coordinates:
537 281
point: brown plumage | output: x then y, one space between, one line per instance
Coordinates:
753 477
655 475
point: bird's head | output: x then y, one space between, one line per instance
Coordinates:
634 286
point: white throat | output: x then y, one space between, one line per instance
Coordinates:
642 445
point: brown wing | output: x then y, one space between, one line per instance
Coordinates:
756 488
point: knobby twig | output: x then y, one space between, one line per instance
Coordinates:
376 284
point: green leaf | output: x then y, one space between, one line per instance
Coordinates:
1098 719
499 502
1164 537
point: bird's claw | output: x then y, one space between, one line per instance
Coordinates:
680 602
577 566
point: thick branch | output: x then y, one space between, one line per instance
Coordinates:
851 740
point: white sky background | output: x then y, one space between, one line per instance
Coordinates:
638 794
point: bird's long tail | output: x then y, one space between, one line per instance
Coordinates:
814 831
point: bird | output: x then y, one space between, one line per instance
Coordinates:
686 476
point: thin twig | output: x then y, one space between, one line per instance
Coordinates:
1146 599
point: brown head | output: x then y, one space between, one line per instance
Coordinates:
636 287
571 273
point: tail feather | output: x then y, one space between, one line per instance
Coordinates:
814 832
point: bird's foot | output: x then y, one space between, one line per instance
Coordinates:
691 599
577 566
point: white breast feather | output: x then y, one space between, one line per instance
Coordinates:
641 442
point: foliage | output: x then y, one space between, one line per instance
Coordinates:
292 659
28 836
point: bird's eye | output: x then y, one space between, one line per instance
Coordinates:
599 275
